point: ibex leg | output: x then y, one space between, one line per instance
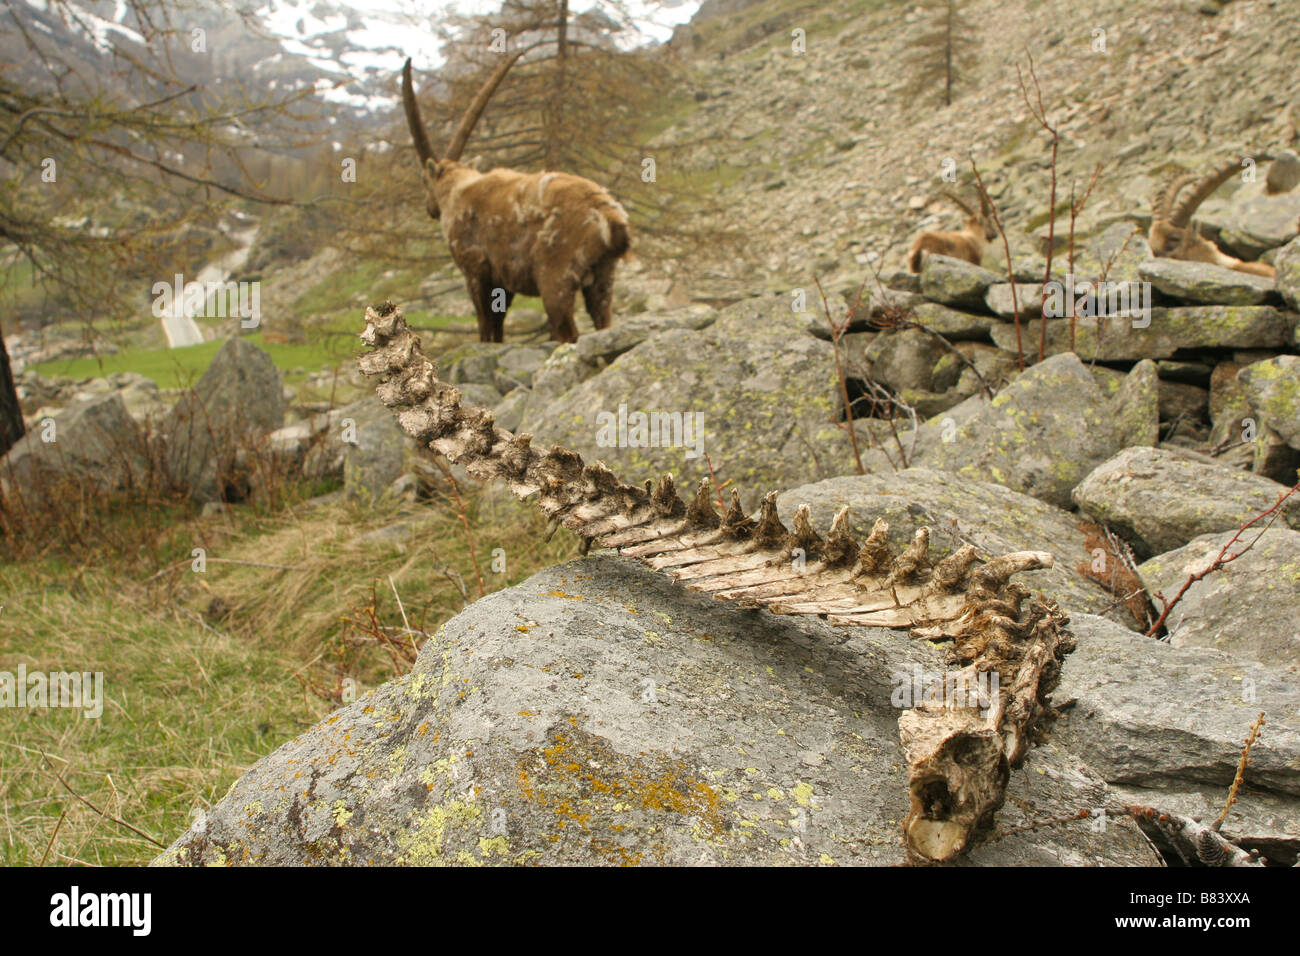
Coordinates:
599 296
558 302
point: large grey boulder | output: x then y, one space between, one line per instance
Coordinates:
517 365
93 442
959 510
1137 406
1259 223
1143 713
625 334
1248 607
1028 299
1283 173
863 309
598 715
1159 499
1287 264
1201 282
374 447
903 359
236 401
953 324
1118 251
561 371
1162 333
752 391
950 281
471 363
1273 389
1041 434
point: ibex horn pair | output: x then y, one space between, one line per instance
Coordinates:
966 243
456 146
1172 234
511 233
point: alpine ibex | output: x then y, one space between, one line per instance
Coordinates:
967 243
1174 236
512 233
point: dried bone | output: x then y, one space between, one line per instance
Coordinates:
959 758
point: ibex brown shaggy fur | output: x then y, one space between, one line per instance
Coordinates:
1172 233
511 233
967 243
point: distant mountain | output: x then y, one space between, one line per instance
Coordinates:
350 52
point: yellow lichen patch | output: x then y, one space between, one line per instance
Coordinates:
424 842
341 813
802 794
585 783
561 594
494 846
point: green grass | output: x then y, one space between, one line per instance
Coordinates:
16 287
205 673
180 368
185 709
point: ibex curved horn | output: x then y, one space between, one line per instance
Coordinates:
957 200
1200 190
476 106
423 148
465 127
1162 203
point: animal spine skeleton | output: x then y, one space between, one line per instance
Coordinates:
546 234
960 758
1173 235
967 243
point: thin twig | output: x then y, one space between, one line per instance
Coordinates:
1006 248
1220 561
1076 207
1040 114
836 332
107 816
1241 771
45 855
405 623
713 476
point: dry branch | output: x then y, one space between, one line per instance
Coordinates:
1222 559
1240 775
